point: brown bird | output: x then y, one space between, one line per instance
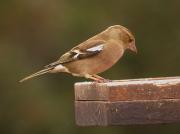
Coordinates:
94 55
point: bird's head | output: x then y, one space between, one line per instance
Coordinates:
123 35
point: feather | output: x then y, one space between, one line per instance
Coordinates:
96 48
76 54
41 72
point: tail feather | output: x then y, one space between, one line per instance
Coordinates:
52 64
41 72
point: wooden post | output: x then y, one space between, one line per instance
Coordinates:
126 102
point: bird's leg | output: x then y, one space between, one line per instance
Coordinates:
95 77
101 78
98 77
88 76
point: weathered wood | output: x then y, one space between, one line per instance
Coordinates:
125 102
138 89
104 113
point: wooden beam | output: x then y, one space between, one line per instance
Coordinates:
103 113
135 101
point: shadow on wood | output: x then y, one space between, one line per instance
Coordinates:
126 102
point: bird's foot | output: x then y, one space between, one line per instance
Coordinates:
98 79
104 81
101 79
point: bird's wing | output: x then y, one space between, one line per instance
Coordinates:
84 50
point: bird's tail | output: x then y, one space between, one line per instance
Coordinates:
41 72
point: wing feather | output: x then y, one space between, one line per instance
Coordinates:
80 53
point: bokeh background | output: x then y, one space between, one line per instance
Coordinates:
34 33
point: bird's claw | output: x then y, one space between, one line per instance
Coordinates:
101 81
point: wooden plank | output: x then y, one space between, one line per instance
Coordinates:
91 113
133 89
104 113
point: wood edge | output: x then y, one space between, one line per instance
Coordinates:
128 80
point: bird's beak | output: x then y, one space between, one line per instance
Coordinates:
132 47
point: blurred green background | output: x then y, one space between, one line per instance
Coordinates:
34 33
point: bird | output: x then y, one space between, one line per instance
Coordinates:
93 56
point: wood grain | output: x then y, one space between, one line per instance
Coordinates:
104 113
128 102
138 89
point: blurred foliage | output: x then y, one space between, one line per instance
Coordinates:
35 33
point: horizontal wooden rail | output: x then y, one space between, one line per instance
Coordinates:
125 102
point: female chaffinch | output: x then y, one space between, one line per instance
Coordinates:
94 55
